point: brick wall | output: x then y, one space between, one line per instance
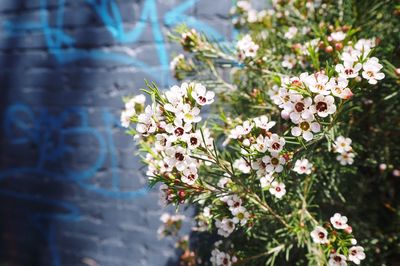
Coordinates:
71 191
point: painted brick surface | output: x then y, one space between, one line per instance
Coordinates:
71 191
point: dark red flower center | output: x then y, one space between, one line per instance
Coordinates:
299 107
276 146
321 106
193 140
179 156
179 131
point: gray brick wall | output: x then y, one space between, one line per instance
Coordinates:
71 191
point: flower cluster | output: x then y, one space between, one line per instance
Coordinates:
337 236
171 224
243 13
171 124
239 213
309 98
264 152
342 146
220 258
246 48
356 59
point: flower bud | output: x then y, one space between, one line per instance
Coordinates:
348 229
181 194
345 28
396 172
382 167
246 142
338 46
353 241
329 49
397 71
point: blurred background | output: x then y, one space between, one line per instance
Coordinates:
71 190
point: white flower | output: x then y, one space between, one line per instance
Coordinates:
365 45
259 166
193 140
291 32
207 140
346 158
241 130
146 124
356 254
371 71
338 221
163 141
310 45
225 227
189 114
252 16
266 180
275 143
177 156
319 83
234 202
274 163
338 36
246 47
261 144
324 105
262 122
396 172
126 116
207 212
277 189
201 95
175 97
319 235
350 54
245 5
241 215
242 166
340 89
223 181
174 62
298 107
178 129
302 166
138 99
337 260
342 144
289 61
306 128
348 69
189 175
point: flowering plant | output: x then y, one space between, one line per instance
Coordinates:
267 137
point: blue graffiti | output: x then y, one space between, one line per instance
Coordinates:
62 46
50 133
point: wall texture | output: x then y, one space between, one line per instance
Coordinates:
71 191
